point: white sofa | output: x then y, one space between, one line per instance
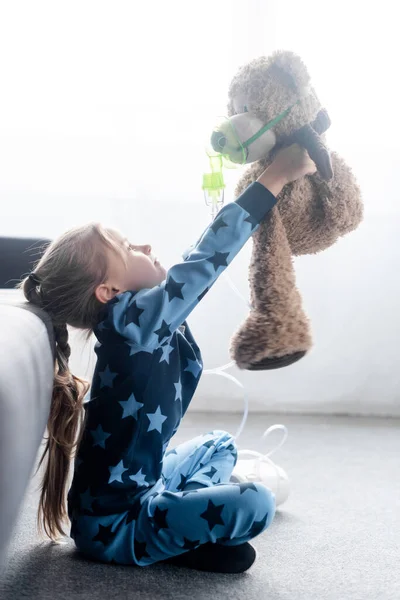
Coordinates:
26 381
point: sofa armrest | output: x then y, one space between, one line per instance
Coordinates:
26 384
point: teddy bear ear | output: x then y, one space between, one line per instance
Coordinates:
293 71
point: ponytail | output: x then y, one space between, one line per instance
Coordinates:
63 426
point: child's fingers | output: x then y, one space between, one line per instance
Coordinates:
312 167
309 163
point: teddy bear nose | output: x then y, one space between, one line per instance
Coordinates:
218 141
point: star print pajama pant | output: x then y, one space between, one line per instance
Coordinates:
174 521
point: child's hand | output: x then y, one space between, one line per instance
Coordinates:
289 164
293 163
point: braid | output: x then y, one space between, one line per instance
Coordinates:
34 294
63 349
61 333
64 421
64 429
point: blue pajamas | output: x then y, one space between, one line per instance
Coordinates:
172 521
126 502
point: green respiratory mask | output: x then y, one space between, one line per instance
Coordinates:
239 140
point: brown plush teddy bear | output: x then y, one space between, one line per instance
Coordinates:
272 104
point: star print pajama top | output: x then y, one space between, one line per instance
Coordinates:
127 502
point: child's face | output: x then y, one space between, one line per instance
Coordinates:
141 269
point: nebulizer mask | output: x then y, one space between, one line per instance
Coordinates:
235 141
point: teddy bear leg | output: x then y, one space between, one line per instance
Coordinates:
276 332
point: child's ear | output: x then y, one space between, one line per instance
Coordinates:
105 292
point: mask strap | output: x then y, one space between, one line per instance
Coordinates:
269 126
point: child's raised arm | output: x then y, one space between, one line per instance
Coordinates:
149 317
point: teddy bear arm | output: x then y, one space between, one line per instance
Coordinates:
343 205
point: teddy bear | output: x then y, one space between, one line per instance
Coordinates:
272 104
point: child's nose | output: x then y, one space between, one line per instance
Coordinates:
146 249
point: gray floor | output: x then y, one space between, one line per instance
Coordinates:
337 537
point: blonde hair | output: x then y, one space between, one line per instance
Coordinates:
63 284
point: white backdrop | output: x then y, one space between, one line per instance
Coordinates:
104 112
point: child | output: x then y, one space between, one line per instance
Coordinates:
130 502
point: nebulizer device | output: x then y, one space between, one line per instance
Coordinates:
235 141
